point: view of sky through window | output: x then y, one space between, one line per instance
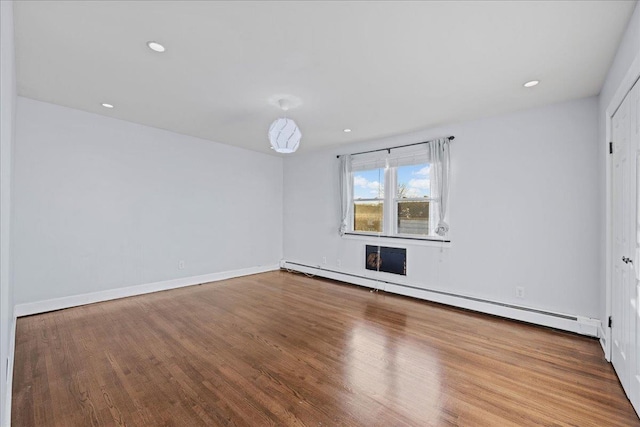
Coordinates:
414 179
368 184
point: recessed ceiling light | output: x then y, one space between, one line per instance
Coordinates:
155 46
105 105
346 130
532 83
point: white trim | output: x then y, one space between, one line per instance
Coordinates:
608 236
572 323
633 73
603 342
402 240
6 422
30 308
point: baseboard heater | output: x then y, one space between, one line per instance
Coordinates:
578 324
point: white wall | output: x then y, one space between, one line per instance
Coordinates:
628 51
523 211
103 203
7 108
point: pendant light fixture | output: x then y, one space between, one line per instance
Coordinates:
284 134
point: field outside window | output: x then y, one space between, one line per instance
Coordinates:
399 205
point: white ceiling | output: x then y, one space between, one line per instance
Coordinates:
379 68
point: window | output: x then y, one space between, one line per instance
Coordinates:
412 200
391 195
368 200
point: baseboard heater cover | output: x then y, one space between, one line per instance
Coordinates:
578 324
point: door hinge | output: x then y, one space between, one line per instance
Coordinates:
610 321
611 148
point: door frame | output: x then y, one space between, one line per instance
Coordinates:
626 84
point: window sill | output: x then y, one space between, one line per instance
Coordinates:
417 241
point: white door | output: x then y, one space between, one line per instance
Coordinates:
622 237
632 298
625 355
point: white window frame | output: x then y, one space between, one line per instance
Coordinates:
390 207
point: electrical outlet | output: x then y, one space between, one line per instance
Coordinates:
520 291
324 260
181 265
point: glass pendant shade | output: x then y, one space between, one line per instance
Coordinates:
284 135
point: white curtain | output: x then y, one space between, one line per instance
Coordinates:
440 167
345 192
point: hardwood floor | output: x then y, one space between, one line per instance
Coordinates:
283 349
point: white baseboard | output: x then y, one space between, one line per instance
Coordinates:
6 419
603 342
30 308
572 323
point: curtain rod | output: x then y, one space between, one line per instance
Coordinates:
450 138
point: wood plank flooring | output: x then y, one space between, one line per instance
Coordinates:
283 349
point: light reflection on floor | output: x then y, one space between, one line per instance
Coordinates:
391 368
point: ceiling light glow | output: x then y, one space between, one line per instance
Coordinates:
531 83
346 130
155 46
105 105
